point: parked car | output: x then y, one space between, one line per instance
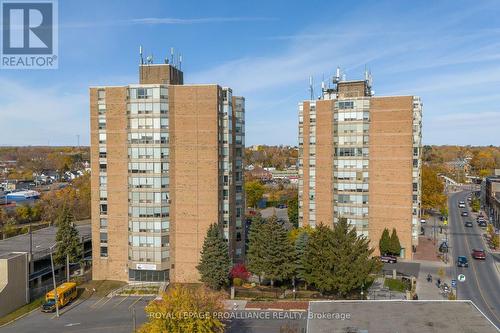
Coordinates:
465 214
468 224
482 224
461 205
423 221
479 254
462 261
389 259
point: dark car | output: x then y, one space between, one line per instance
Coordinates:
478 254
462 261
468 224
389 259
482 224
49 306
465 214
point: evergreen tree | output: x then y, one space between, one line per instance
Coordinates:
353 264
279 253
293 211
385 242
256 241
318 262
215 263
300 249
338 261
67 238
270 253
395 246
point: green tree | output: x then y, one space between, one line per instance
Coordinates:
475 205
395 245
254 191
256 241
67 238
384 243
293 211
215 263
276 253
300 249
339 261
27 213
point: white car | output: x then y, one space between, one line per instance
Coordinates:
461 205
423 221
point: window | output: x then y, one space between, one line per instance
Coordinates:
104 209
103 195
101 94
104 237
104 251
102 137
103 223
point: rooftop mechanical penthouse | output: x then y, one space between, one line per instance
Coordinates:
166 163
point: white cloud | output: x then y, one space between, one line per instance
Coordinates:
164 21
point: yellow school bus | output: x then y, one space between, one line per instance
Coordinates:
66 292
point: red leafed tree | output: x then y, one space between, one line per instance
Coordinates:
240 271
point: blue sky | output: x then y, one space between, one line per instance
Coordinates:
447 52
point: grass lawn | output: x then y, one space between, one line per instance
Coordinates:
22 310
102 287
396 285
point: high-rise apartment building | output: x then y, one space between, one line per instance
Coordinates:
360 158
166 163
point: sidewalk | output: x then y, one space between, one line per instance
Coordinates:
429 290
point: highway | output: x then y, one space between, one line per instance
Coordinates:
482 285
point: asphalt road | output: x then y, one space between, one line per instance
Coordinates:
92 315
482 285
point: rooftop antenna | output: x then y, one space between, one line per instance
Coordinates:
336 79
149 59
166 60
140 54
311 87
366 74
172 55
180 61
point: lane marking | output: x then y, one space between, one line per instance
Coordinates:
137 300
120 302
95 304
101 305
476 280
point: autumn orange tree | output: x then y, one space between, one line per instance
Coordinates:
432 190
182 309
483 162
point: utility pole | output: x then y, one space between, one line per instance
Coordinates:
54 280
434 230
67 267
133 319
31 249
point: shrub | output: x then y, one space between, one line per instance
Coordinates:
240 271
237 282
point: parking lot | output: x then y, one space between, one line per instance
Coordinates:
96 314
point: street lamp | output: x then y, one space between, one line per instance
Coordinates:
54 279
